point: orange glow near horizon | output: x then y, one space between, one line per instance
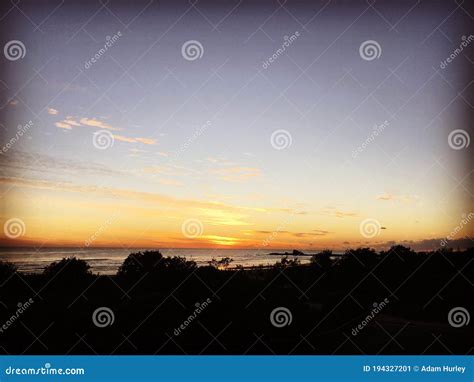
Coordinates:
66 215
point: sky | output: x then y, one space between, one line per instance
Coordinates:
275 128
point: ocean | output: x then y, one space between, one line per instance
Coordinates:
107 261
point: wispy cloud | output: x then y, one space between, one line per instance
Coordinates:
20 161
223 217
401 198
171 170
93 122
213 210
342 214
169 182
331 211
237 173
145 141
222 240
220 161
63 125
70 122
312 233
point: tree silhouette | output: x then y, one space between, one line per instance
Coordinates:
399 250
69 294
286 263
151 262
140 263
178 264
68 269
223 263
322 259
360 257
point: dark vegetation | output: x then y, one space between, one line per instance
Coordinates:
152 295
